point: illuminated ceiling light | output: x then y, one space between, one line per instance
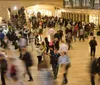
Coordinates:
15 8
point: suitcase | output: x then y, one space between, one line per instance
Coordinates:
91 34
42 65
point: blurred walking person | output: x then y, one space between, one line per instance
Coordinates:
94 69
3 44
3 68
64 62
69 39
47 44
54 62
27 60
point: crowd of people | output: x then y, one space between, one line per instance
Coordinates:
20 36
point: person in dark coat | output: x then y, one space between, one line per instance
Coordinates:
47 44
93 44
56 35
54 55
56 44
94 69
26 58
60 34
3 68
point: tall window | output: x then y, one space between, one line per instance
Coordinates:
76 3
67 3
86 2
96 1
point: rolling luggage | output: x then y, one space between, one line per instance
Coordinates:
42 65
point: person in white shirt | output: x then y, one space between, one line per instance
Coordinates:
22 42
64 62
81 34
40 52
63 47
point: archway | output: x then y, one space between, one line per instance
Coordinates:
4 13
48 10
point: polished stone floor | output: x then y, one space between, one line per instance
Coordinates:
78 73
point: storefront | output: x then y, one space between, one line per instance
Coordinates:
48 10
43 9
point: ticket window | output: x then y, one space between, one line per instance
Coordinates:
93 19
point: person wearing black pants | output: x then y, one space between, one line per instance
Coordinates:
27 59
54 55
94 69
81 37
29 73
47 44
3 68
39 59
81 34
93 44
93 49
55 68
92 79
2 77
3 44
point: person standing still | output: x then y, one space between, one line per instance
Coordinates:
93 44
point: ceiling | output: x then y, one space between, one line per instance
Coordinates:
27 3
5 4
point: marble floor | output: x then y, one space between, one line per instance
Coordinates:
78 73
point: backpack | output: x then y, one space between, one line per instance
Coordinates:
51 43
13 71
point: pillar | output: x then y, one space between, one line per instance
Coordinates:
79 17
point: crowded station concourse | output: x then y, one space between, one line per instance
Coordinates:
48 50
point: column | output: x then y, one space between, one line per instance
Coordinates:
66 15
69 16
82 17
76 17
79 17
86 18
73 16
99 19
